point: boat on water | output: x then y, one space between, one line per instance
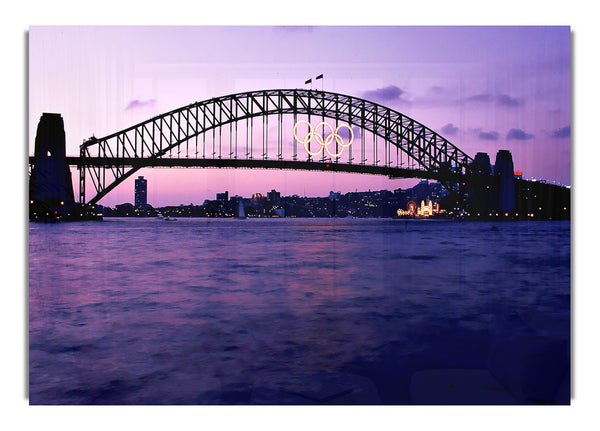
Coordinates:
167 218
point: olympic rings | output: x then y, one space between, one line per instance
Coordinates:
323 142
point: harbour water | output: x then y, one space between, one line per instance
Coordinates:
299 311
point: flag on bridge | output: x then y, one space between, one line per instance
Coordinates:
309 81
320 76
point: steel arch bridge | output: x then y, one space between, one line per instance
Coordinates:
220 132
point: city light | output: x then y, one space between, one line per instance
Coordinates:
425 210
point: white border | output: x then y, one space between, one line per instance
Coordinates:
16 18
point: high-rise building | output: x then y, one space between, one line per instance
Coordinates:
273 196
505 181
141 193
258 203
223 197
481 164
481 188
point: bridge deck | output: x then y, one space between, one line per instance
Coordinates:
327 166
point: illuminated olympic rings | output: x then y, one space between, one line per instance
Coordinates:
323 142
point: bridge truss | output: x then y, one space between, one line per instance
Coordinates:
255 130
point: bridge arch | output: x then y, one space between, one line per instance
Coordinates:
109 160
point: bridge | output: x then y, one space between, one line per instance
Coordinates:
293 129
207 134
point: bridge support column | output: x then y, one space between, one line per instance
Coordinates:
50 183
81 178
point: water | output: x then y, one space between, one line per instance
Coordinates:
299 311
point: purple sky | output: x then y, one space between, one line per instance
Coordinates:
483 88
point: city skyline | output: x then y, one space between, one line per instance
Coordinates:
503 196
483 88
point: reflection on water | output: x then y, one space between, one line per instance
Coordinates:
311 311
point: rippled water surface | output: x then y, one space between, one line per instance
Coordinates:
299 311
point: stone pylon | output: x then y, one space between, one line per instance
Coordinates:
505 181
50 182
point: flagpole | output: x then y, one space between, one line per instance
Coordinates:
321 78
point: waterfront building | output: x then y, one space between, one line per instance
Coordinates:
258 204
426 209
273 196
505 181
482 164
141 193
482 199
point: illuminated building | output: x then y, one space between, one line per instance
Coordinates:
141 189
258 203
427 209
412 207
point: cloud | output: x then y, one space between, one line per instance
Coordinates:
564 132
386 94
345 133
505 100
489 136
449 129
436 89
135 104
500 100
518 134
480 98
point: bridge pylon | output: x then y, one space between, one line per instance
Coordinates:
50 182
